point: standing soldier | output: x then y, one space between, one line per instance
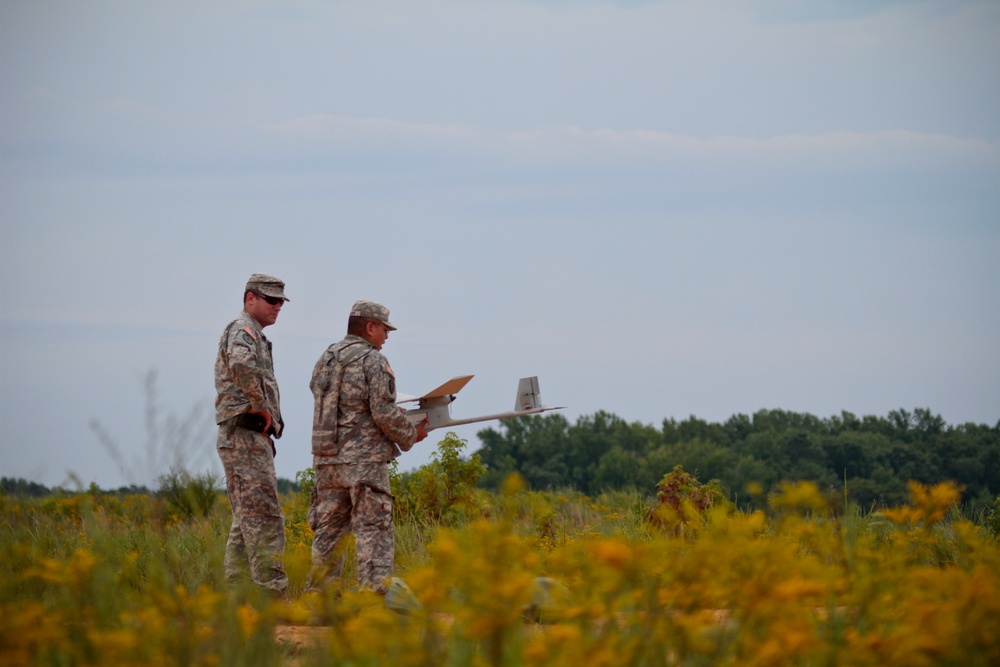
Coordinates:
357 431
248 412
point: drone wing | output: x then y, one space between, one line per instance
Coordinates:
435 404
449 388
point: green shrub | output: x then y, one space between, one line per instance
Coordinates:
188 496
443 491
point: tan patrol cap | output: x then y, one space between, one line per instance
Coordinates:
372 311
267 285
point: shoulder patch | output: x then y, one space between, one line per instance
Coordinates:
249 337
388 369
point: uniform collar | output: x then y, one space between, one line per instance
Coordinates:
248 318
351 339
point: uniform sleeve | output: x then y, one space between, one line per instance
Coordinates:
382 401
245 369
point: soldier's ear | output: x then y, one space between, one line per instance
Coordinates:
369 330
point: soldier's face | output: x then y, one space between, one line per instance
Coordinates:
265 313
377 334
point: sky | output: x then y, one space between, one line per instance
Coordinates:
663 209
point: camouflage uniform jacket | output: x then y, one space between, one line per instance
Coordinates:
370 427
244 373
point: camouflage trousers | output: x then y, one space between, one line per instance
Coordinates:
257 536
356 498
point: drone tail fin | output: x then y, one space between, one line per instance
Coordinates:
529 396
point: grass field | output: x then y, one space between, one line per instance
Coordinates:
514 578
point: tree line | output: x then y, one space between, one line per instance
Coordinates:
869 458
18 486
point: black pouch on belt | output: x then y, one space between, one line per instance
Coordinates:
251 422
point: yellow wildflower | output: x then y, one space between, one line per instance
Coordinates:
248 619
611 552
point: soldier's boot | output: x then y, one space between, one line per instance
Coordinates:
326 576
375 576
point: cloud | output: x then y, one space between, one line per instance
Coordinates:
618 148
327 126
120 129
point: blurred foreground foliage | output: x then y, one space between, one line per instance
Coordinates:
679 575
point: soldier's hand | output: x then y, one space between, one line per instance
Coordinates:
422 430
267 419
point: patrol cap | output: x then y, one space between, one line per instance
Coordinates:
372 311
267 285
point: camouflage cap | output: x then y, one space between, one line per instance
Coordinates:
372 311
267 285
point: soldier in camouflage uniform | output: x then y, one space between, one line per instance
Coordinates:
357 430
248 412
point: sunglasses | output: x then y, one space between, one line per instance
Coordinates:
273 300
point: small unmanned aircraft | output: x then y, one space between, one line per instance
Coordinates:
435 405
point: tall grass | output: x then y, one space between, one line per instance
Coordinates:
519 577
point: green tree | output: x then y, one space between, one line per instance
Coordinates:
537 448
616 469
22 487
875 455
